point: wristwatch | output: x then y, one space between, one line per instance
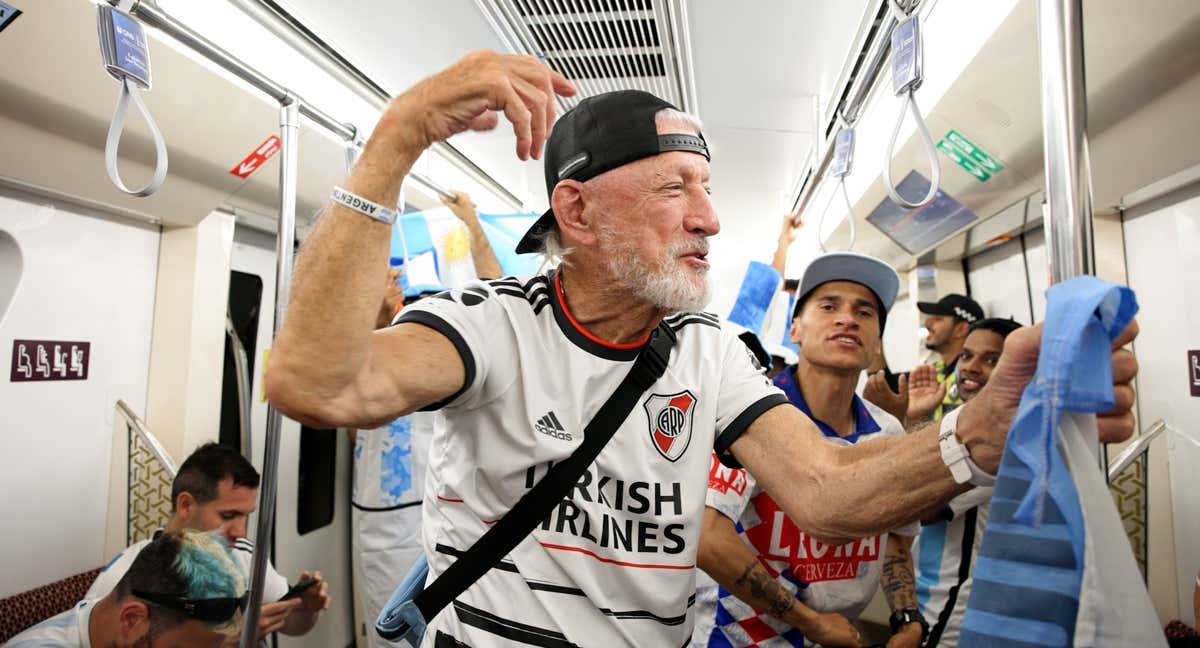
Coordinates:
957 458
905 616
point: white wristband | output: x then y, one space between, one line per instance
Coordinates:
956 456
364 206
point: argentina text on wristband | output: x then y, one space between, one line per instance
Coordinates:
364 206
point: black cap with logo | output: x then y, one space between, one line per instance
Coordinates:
599 134
954 305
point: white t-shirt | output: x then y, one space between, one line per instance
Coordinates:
389 463
66 630
615 563
389 477
274 586
944 558
825 578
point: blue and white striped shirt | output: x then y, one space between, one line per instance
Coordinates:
66 630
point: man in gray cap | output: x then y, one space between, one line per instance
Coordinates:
775 583
519 368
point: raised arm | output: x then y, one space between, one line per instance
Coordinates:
787 234
486 265
838 493
327 366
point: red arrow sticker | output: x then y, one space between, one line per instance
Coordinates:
257 158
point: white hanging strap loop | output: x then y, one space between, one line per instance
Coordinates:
910 103
130 90
849 217
897 11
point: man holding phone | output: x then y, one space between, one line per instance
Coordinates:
216 490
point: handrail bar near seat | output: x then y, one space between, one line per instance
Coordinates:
140 428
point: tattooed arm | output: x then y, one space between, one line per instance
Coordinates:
899 586
724 556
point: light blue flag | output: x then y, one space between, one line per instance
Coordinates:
1031 566
754 297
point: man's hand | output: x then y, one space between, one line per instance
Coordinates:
985 421
315 598
274 615
908 637
393 300
832 630
791 227
462 207
466 95
787 234
878 391
925 393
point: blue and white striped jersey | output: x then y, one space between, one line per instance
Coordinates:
66 630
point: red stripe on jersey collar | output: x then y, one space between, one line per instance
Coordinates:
584 332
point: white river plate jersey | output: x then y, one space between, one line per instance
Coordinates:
614 564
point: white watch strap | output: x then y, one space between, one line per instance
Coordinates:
957 457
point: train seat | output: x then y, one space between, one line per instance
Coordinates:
20 611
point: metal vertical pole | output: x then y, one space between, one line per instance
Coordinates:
1068 215
289 126
1064 131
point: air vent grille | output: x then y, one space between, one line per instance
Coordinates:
603 45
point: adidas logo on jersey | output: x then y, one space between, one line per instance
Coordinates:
550 426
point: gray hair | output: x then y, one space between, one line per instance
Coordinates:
552 249
670 116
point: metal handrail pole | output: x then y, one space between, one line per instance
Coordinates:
289 126
330 62
1064 140
241 369
1068 221
139 428
164 22
1140 446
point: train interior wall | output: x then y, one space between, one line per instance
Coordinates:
82 276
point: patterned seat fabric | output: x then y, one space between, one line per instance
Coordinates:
26 609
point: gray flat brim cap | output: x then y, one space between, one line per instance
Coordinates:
868 271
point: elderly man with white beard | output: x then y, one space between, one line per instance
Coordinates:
519 367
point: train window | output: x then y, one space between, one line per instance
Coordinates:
318 471
245 302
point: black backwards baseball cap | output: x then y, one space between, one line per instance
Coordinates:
868 271
954 305
599 134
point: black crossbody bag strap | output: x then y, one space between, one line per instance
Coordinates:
535 505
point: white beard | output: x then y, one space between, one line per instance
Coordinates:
667 284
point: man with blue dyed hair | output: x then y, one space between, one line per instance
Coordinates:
181 590
216 490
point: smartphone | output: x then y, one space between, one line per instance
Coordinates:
298 589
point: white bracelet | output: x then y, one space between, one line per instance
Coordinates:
364 206
957 457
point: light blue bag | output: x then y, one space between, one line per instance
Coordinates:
401 618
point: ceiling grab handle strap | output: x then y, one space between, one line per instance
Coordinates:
849 217
907 75
934 164
843 163
130 90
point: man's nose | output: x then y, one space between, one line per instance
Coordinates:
702 216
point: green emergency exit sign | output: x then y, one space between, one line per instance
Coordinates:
971 158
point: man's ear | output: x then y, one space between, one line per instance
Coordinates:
574 222
184 504
795 331
133 622
961 329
